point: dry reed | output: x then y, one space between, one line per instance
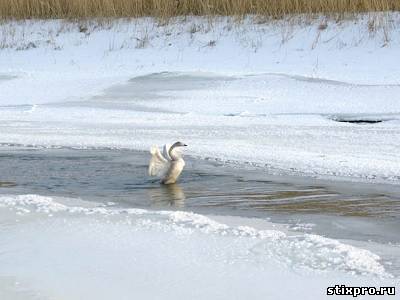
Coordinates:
25 9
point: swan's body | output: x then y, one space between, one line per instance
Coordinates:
168 166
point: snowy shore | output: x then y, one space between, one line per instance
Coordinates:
152 254
279 95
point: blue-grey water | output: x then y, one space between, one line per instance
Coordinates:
339 210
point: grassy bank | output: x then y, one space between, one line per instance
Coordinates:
21 9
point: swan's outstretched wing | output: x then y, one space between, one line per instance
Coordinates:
158 163
166 151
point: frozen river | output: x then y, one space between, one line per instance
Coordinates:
106 175
89 224
293 170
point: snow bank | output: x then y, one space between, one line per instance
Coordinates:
307 250
146 254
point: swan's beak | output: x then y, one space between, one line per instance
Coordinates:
184 145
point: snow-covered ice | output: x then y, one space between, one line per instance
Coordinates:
68 248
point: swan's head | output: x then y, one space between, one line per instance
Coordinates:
178 144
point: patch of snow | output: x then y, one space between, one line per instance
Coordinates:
68 248
296 251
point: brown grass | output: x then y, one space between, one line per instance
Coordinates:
23 9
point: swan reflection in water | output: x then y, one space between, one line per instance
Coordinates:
167 195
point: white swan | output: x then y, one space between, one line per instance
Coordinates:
168 166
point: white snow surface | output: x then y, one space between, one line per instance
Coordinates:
60 248
268 94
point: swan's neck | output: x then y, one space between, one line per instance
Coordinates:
173 154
